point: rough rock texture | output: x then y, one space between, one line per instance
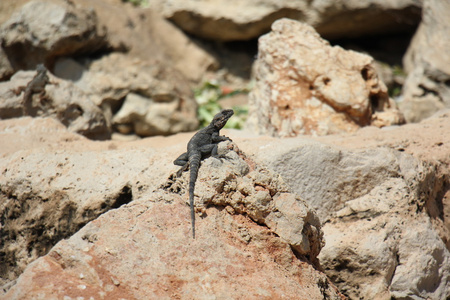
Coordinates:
45 195
242 187
58 29
249 226
6 69
427 61
61 100
143 251
80 28
156 60
244 20
391 232
305 86
386 213
45 134
158 98
146 34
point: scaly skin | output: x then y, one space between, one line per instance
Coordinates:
201 145
36 85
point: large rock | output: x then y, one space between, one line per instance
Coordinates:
158 99
144 251
142 33
385 213
245 20
427 61
45 195
243 187
305 86
147 35
45 134
251 234
385 238
60 99
43 30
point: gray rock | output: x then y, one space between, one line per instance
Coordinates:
45 196
257 249
245 20
427 62
60 100
42 30
143 250
158 99
145 34
375 205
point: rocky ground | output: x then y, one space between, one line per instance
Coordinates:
330 191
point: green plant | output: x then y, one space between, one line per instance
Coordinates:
398 71
141 3
208 97
395 91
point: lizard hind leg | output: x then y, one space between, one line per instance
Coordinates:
181 160
182 169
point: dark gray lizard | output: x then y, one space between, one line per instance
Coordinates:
201 145
36 85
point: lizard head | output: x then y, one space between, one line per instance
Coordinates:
221 118
41 68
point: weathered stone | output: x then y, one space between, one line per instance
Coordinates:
384 211
45 195
61 100
305 86
245 20
403 218
6 69
260 194
143 250
158 99
147 35
427 61
41 31
45 134
50 186
350 19
139 32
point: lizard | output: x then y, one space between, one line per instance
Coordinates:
204 143
36 85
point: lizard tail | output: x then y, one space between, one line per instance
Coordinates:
194 164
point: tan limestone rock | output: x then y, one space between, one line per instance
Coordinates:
305 86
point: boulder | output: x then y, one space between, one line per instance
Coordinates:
89 28
245 20
158 99
143 250
41 30
352 19
253 234
60 99
427 62
147 117
386 238
45 195
242 187
305 86
385 212
145 34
